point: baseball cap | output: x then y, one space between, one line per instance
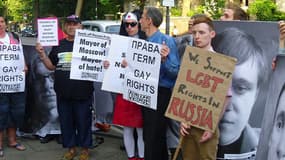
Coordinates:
73 18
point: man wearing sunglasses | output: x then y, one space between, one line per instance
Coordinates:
155 123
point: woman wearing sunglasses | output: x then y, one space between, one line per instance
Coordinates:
126 113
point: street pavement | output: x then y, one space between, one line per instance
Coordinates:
108 150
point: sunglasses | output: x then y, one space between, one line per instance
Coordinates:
132 24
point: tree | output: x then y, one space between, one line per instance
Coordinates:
17 9
214 8
185 7
265 10
79 7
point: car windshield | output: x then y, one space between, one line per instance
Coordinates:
113 29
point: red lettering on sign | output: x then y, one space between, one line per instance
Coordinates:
204 80
190 112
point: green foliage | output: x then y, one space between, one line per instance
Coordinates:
214 8
139 3
265 10
59 8
176 11
16 9
109 7
197 10
105 2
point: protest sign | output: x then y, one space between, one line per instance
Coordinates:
89 50
114 75
12 75
201 87
48 31
142 73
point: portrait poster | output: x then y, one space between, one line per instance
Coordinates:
142 73
272 140
89 50
41 116
114 75
201 88
254 44
48 31
12 75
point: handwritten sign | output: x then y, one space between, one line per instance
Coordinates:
142 73
114 76
201 87
12 76
89 50
48 31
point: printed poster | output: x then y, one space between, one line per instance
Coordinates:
254 44
12 75
114 76
89 50
142 73
48 31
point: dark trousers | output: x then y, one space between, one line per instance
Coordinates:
154 128
12 110
75 122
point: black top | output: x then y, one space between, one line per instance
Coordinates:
233 148
65 87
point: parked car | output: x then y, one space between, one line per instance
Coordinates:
28 32
107 26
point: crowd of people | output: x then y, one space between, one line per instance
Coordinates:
74 98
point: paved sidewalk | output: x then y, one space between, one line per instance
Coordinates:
109 150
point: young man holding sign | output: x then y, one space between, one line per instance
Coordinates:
74 97
155 122
197 143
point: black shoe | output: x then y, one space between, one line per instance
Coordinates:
46 139
58 139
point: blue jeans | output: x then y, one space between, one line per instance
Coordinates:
75 122
12 110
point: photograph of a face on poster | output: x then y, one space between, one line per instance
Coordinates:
254 44
272 140
41 107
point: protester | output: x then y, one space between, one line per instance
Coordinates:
12 105
126 113
46 120
197 143
237 136
186 38
74 97
173 128
155 123
233 12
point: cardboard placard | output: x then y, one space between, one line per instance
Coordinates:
201 87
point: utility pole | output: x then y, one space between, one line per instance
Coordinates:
167 3
167 27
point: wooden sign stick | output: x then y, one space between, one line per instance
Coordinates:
178 148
